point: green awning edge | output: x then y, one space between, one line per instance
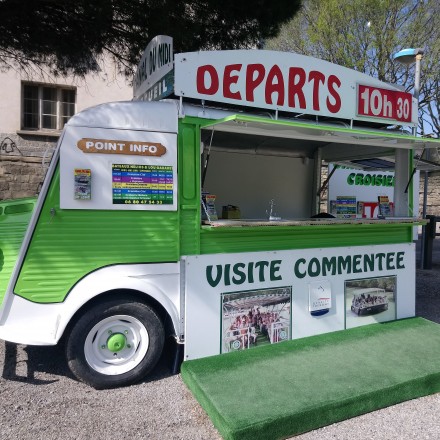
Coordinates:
408 140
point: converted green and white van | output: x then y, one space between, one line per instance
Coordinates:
196 217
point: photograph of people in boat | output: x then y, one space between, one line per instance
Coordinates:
370 300
255 318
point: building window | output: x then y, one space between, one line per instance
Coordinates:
47 107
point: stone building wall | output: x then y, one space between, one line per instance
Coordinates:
24 161
23 167
433 195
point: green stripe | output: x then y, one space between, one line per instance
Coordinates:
268 238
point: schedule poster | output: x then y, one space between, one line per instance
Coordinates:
142 184
346 207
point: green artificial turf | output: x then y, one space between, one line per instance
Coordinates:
281 390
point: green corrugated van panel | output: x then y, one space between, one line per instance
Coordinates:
189 169
72 243
15 210
190 231
14 219
189 184
254 239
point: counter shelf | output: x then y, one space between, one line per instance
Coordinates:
223 223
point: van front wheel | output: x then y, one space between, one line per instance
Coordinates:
115 343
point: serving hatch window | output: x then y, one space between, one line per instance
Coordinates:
255 177
256 168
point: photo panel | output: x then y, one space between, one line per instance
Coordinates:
255 318
370 300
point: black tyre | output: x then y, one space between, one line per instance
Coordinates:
115 343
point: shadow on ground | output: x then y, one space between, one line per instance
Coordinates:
51 361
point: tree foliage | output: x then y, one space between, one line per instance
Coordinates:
363 35
69 36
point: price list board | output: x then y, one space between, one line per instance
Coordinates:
346 207
142 184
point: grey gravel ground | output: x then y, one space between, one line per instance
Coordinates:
39 399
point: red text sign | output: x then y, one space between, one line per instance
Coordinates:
288 82
384 103
277 88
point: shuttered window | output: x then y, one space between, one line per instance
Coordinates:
47 107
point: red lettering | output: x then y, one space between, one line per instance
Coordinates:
201 75
251 82
296 86
229 79
290 91
317 78
274 87
332 81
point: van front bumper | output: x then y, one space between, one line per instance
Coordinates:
25 322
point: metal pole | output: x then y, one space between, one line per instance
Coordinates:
422 244
425 187
316 200
417 88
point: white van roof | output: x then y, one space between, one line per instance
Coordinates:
130 115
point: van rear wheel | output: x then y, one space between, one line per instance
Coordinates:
115 343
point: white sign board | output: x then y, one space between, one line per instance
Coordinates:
239 301
290 82
154 75
118 169
365 187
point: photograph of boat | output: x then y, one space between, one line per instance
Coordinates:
369 301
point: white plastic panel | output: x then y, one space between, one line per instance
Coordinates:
262 279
